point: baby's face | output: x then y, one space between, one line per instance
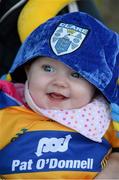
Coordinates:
52 85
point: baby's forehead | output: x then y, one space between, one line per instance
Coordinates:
51 61
45 58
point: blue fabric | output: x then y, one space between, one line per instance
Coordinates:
96 59
24 150
7 101
115 112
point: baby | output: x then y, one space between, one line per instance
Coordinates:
58 125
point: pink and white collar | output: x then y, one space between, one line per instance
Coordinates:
91 121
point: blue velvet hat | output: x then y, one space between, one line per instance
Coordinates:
83 44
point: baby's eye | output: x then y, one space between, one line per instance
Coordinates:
48 68
75 75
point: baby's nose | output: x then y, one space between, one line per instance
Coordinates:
61 82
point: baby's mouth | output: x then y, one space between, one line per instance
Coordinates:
56 96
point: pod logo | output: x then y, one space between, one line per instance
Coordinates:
52 145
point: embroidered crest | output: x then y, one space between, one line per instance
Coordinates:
67 38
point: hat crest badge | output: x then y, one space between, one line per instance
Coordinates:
67 38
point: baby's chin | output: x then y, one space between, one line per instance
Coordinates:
54 107
62 107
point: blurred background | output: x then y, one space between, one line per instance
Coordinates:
109 10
